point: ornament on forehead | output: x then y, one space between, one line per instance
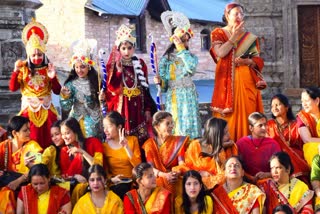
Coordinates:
124 34
35 36
84 51
177 20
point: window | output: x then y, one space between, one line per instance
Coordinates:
139 31
205 40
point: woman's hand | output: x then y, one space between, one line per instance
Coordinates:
119 65
65 91
236 31
116 179
122 138
73 150
80 178
228 144
51 71
171 176
29 160
176 40
18 65
13 185
157 79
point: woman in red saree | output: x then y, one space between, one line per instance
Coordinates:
148 198
209 154
236 196
42 197
285 189
283 128
165 152
236 53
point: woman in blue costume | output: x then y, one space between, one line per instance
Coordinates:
176 68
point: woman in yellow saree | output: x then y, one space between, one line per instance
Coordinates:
236 53
308 122
98 199
148 198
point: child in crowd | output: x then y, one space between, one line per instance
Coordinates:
36 77
79 95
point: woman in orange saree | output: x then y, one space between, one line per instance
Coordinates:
236 53
283 128
209 154
148 198
165 152
13 160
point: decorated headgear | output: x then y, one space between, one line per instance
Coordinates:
124 34
35 36
84 51
174 19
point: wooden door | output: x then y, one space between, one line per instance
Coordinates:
309 45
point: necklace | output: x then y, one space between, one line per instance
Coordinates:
256 145
228 188
286 194
281 129
126 62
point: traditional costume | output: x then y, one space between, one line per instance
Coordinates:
240 200
310 149
112 205
36 86
176 71
296 194
235 94
166 158
49 202
82 102
195 161
256 153
291 143
128 90
159 202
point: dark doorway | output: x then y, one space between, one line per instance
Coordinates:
309 45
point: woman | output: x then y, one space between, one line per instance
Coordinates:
148 198
194 199
14 160
209 154
79 95
42 197
282 128
307 122
235 195
165 152
77 155
282 209
256 149
122 153
127 86
36 78
236 53
176 67
284 189
99 199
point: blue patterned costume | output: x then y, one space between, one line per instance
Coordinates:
182 97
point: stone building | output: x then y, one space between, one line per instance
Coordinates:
289 35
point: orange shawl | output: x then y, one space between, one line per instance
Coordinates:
30 199
222 99
309 122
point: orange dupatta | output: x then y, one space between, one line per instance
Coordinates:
309 122
30 199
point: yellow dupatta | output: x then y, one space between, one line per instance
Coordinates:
156 201
244 197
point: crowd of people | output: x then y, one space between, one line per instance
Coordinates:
135 159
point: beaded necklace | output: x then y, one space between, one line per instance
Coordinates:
281 132
286 194
255 145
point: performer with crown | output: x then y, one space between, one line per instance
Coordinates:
36 77
79 95
176 67
127 85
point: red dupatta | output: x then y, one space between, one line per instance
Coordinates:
222 202
30 199
222 99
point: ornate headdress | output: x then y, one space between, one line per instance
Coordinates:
174 19
35 36
84 51
124 34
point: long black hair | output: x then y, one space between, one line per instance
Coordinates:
93 81
15 124
186 203
57 124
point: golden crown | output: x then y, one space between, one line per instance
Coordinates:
124 34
